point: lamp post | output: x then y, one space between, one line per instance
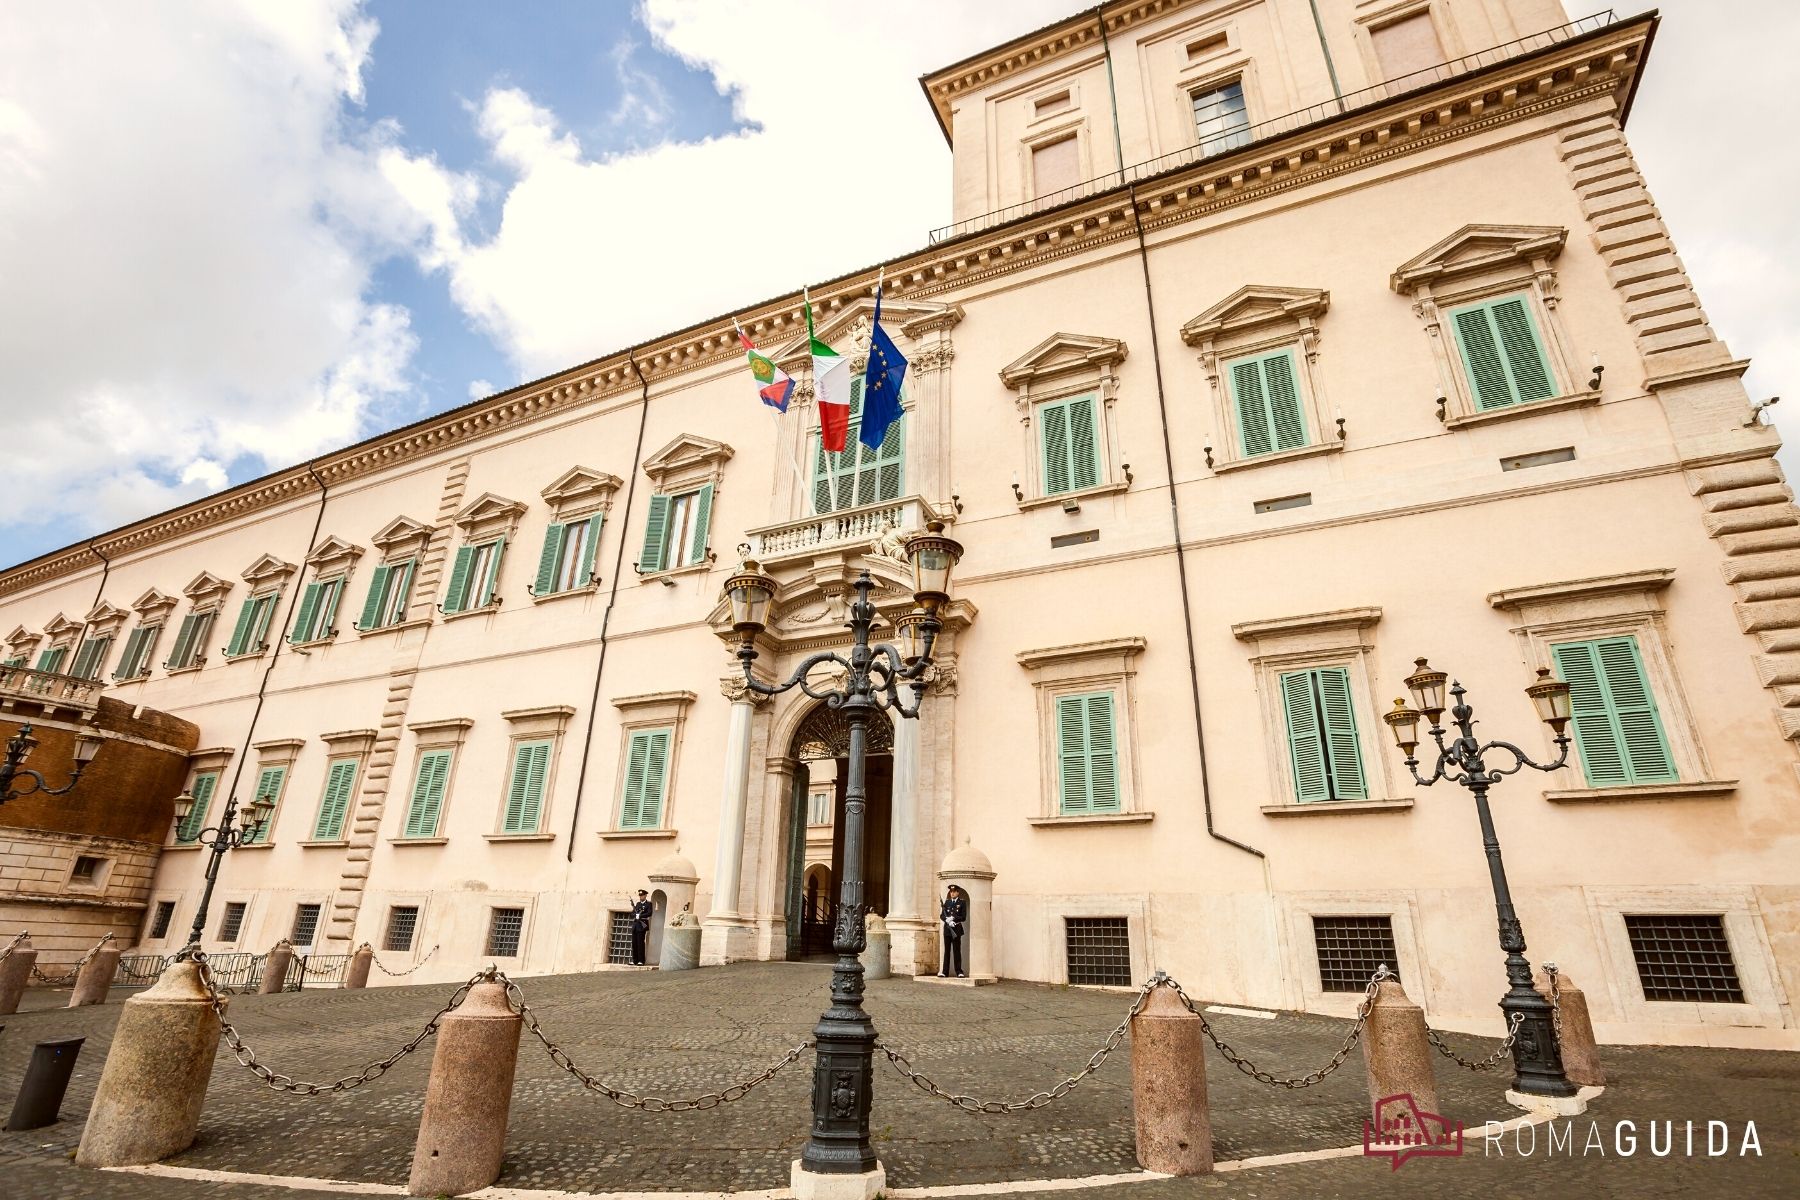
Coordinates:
843 1071
1537 1059
221 837
19 748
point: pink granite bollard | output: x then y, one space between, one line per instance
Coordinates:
275 969
462 1133
357 976
96 978
1168 1087
1396 1051
15 976
1580 1054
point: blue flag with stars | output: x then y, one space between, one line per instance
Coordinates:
881 383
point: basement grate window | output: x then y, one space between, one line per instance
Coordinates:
1684 956
403 922
1350 948
165 913
618 938
232 923
503 932
1099 950
306 925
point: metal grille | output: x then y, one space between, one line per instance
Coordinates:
1099 950
232 923
139 970
306 924
1350 948
403 922
618 938
503 932
165 913
1683 956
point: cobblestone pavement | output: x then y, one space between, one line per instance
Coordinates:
697 1031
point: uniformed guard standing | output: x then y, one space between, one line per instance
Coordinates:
640 926
954 914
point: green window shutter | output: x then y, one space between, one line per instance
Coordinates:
1102 754
702 523
303 621
340 781
1265 395
549 560
490 581
91 649
204 786
1306 740
1087 758
1283 390
134 653
371 609
1322 742
51 660
525 794
428 793
1617 727
1084 443
402 592
1053 435
240 635
1252 408
655 529
332 594
1071 755
268 783
1502 352
456 596
823 500
1481 358
631 804
1343 754
1523 349
184 642
646 779
590 548
265 613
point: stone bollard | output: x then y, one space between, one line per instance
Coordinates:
275 969
878 953
151 1090
96 978
1168 1087
462 1133
1396 1051
15 976
357 976
680 948
1580 1055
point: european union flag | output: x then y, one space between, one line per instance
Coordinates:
881 384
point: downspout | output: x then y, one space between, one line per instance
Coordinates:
105 570
612 595
1330 67
1112 92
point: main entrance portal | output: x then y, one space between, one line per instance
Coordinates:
815 858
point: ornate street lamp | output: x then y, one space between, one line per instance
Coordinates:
843 1072
19 748
1537 1059
221 837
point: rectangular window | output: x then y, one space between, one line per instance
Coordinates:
474 576
1069 439
317 618
51 660
525 792
232 922
91 658
1502 353
1055 167
429 781
269 783
306 925
1406 46
251 634
1086 754
389 590
504 929
1221 120
1099 950
1617 728
139 645
618 937
567 562
819 809
161 918
202 790
1265 394
402 925
857 475
87 869
1350 948
1045 106
340 784
1684 957
191 639
675 534
646 776
1321 729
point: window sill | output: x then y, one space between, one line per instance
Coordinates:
323 845
1121 818
1278 456
1061 498
171 672
585 590
255 846
1705 789
635 835
396 627
1326 808
183 846
1529 408
520 837
673 572
248 654
491 607
118 682
314 643
430 841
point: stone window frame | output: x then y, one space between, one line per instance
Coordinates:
1338 638
334 559
1061 366
1577 610
276 752
1261 319
546 723
487 518
1072 670
61 632
1075 127
444 733
23 643
1209 75
652 710
245 896
267 576
1402 910
1133 906
686 464
525 901
206 593
1521 260
174 930
153 609
578 494
355 744
400 540
102 874
420 900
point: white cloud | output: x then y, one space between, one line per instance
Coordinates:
480 389
643 101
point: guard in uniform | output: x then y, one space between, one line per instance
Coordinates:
954 915
641 913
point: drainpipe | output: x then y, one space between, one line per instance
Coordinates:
1112 91
1330 67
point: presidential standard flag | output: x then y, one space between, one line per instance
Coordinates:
831 388
773 384
881 383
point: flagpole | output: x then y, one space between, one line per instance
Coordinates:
837 498
775 417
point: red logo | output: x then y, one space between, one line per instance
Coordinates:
1401 1131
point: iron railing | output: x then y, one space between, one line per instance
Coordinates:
319 970
139 970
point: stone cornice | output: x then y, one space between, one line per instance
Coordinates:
1582 68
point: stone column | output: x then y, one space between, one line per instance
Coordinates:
275 968
912 931
970 870
462 1132
1396 1054
1168 1087
727 934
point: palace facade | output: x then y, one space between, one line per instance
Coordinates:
1275 345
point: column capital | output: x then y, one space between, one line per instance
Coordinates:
734 689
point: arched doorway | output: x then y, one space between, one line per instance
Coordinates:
816 833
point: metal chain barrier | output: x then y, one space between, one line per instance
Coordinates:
74 972
1491 1061
400 974
515 999
13 945
1298 1081
1552 974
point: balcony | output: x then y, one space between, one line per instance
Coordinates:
848 530
22 685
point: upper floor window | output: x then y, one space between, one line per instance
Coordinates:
1069 441
390 587
431 778
205 783
191 640
474 576
818 811
1086 755
1617 726
1265 397
525 791
50 660
91 657
1502 352
139 646
1065 388
857 475
567 562
1221 121
1321 734
251 634
646 778
317 618
675 534
334 803
1055 166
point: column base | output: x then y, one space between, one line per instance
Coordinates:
915 949
957 980
1558 1106
726 940
809 1185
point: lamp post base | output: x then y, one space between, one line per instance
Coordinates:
1557 1106
809 1185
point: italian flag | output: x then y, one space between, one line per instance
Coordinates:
831 387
